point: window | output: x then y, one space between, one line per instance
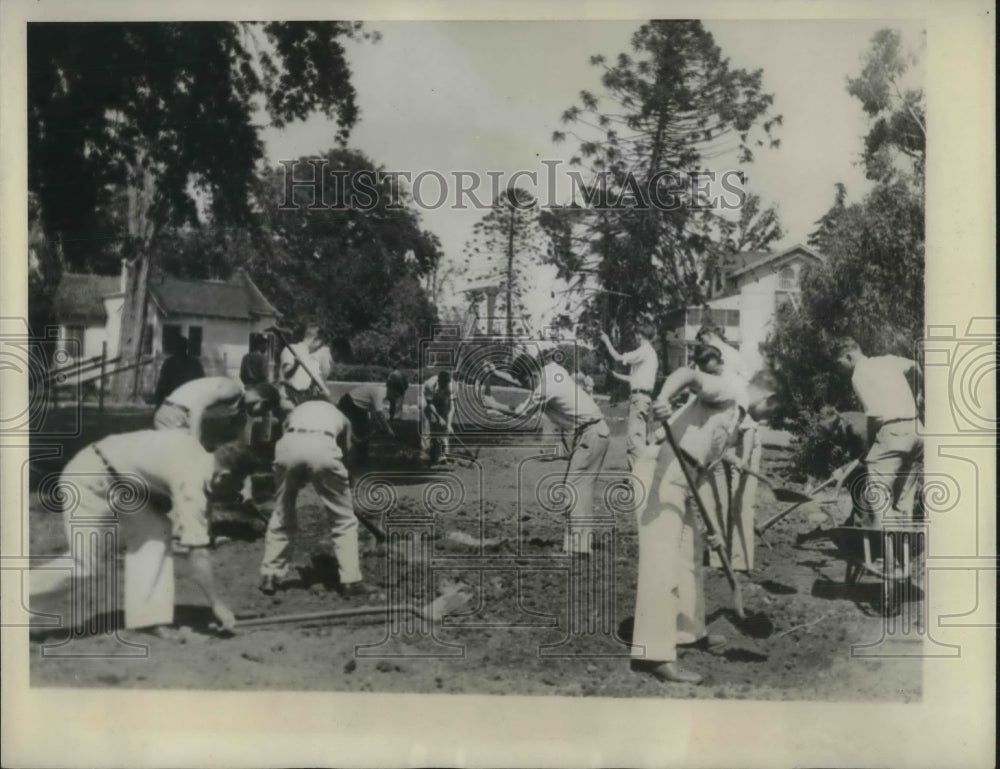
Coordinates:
194 341
786 279
171 333
147 340
732 317
694 316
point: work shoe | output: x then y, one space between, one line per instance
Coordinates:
668 672
352 590
268 584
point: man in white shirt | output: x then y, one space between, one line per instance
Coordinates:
894 460
312 449
643 364
185 407
556 394
301 374
670 608
436 414
124 481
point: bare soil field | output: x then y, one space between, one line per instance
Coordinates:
537 623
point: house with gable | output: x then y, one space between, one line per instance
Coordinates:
755 285
216 316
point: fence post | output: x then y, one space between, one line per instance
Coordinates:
100 390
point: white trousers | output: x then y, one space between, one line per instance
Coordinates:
670 603
298 459
95 532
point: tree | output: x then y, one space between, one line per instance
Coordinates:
897 111
505 244
356 265
871 284
870 287
754 230
126 121
673 108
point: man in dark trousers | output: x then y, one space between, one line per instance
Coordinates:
178 368
253 367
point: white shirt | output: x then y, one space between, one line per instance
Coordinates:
201 394
174 465
882 387
643 364
297 377
308 433
562 400
324 361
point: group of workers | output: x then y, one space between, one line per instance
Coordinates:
182 477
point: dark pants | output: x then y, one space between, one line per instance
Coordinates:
361 426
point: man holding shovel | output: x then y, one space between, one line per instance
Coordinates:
670 610
436 413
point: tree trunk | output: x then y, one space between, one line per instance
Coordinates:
133 323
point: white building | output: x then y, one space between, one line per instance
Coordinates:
755 285
216 316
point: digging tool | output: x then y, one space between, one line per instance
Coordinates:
434 611
471 455
781 493
683 458
284 340
838 475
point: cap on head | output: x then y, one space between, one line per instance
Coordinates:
646 329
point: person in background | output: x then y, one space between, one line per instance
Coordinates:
555 393
436 413
365 406
301 378
643 364
177 369
253 367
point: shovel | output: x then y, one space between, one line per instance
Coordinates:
781 493
433 611
837 476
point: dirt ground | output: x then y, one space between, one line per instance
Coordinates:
490 533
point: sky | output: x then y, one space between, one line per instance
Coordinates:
486 96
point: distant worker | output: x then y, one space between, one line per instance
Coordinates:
436 415
253 367
556 394
177 368
365 406
301 378
643 364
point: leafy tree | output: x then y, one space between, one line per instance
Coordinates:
670 110
505 243
897 110
355 265
870 287
127 120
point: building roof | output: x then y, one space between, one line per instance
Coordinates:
237 298
752 260
81 297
